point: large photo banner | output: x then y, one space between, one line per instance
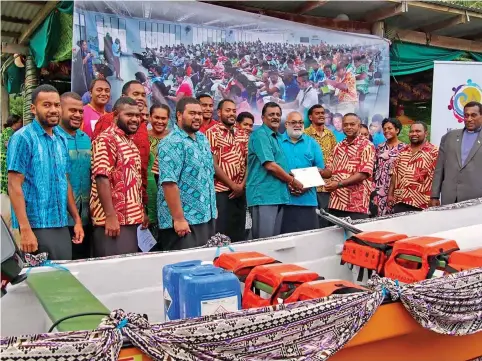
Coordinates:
455 83
189 48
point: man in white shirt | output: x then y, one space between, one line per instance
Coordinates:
306 98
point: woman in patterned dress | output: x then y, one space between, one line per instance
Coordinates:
386 154
159 119
13 123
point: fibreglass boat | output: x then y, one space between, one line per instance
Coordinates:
134 283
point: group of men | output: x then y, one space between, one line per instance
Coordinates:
67 186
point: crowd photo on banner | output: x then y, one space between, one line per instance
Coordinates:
184 127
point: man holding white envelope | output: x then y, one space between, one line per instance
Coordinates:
305 161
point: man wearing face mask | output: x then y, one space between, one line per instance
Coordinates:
229 145
268 175
117 192
186 201
38 184
80 149
301 151
136 91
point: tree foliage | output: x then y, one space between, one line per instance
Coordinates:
467 3
16 104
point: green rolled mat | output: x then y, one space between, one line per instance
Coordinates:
62 294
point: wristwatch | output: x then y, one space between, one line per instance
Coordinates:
340 185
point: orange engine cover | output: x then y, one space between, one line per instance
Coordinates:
280 276
323 288
241 263
464 260
429 249
369 249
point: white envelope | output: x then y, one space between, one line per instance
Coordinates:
309 177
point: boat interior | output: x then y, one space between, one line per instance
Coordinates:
134 282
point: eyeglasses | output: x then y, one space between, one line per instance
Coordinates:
296 123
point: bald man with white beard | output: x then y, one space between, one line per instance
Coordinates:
301 151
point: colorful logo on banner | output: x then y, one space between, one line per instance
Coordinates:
463 94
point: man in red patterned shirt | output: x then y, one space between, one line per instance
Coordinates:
229 145
135 90
207 106
413 172
351 167
116 199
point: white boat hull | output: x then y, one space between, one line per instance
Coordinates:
134 283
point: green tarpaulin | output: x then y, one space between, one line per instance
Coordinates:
13 78
476 56
413 58
46 44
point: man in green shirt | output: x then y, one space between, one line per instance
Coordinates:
269 182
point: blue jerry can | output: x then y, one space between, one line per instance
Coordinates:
208 291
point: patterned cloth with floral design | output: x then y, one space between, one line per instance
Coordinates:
385 157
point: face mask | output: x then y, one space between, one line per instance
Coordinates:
296 134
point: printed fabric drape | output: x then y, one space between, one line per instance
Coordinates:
300 331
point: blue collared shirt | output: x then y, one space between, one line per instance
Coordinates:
44 162
468 140
80 152
304 153
263 188
188 163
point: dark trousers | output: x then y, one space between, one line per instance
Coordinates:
124 243
55 241
267 221
323 200
231 219
200 234
403 207
343 214
299 219
84 249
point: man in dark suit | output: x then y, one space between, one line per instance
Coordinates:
458 174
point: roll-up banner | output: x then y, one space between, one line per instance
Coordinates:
455 83
188 48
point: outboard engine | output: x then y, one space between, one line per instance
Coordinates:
12 263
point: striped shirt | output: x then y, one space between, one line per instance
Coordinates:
413 174
44 162
348 159
115 156
231 149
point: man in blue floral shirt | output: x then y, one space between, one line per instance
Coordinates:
38 167
186 198
80 151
